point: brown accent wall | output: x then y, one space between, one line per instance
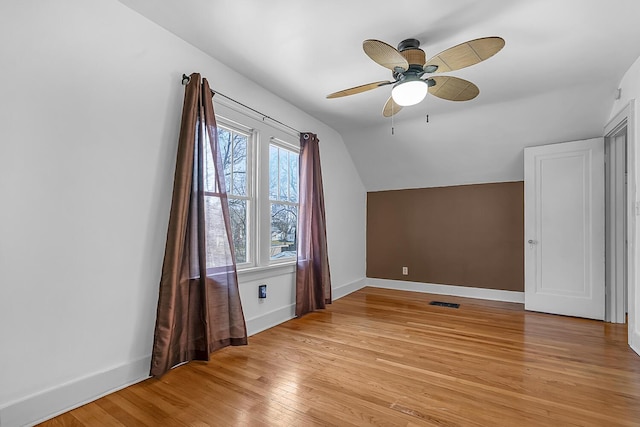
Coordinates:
468 235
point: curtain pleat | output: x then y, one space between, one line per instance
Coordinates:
313 280
199 309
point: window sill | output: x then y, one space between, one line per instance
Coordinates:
259 273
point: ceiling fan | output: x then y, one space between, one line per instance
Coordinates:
409 65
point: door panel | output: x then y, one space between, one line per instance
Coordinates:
564 228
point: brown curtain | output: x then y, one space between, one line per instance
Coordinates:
313 281
199 308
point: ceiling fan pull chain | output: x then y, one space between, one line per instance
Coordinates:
392 113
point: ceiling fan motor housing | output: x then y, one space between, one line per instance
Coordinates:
410 50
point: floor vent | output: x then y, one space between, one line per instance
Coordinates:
445 304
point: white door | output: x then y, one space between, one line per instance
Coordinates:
564 228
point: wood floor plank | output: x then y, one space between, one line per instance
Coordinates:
388 358
95 415
64 420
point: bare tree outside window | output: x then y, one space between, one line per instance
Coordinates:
283 196
234 147
242 155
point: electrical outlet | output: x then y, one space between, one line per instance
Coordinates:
262 291
405 271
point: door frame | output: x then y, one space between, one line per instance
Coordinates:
627 115
616 234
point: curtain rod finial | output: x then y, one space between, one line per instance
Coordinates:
185 79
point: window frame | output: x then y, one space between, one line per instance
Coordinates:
295 149
250 197
263 133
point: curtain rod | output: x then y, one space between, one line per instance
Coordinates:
186 79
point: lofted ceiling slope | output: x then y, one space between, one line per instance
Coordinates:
555 80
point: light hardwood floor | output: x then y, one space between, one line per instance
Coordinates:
383 357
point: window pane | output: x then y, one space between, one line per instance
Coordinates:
284 174
284 221
238 211
239 165
273 172
224 140
293 177
218 252
209 169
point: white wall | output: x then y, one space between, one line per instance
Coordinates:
90 104
630 92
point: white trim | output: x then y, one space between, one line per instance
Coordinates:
287 145
47 404
259 273
633 289
250 197
617 120
234 125
348 288
633 265
634 340
280 315
268 320
616 193
240 119
459 291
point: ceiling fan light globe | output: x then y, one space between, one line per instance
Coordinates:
409 93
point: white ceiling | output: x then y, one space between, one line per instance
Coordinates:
554 81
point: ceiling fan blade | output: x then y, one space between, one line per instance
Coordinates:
358 89
453 88
385 55
465 54
391 108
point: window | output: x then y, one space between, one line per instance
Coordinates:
260 166
283 201
234 146
217 254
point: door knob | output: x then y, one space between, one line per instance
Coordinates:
532 242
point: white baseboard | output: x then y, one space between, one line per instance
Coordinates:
269 320
280 315
459 291
345 290
57 400
634 340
